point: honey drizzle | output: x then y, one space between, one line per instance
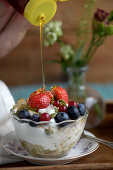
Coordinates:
41 46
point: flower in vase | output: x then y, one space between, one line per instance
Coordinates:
101 16
52 31
74 58
102 23
80 54
66 51
50 39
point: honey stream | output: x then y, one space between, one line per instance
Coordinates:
41 47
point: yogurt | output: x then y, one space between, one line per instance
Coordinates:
49 137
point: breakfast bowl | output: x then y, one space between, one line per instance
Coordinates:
47 124
48 139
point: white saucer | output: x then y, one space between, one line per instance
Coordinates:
83 148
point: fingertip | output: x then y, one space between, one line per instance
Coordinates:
21 21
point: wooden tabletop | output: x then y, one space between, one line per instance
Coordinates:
102 158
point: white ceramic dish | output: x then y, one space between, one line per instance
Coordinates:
83 148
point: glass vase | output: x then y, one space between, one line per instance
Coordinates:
78 91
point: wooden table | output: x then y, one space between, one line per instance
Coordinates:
102 158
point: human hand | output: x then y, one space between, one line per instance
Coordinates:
13 27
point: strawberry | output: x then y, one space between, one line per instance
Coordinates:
59 93
50 94
42 90
39 99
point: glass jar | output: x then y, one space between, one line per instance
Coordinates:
78 91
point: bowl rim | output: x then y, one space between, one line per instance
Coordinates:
49 122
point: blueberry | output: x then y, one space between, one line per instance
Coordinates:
35 118
23 114
82 109
60 117
73 112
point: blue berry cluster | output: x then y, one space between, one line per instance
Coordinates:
24 114
72 113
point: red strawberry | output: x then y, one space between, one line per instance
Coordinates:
50 94
39 99
59 93
42 90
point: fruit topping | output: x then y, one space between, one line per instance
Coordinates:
35 117
59 93
50 95
73 112
62 108
56 103
53 115
56 109
39 99
45 117
51 106
82 109
60 117
72 103
23 114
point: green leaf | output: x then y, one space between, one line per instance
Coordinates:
56 109
62 102
29 108
64 66
110 18
109 30
98 28
78 54
103 30
60 41
81 63
53 115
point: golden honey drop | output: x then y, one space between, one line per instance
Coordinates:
41 50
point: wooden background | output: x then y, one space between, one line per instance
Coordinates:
22 65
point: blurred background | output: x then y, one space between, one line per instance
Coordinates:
22 66
21 69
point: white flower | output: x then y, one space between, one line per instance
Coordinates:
66 51
52 31
58 28
46 43
50 39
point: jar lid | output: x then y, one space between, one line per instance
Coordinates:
36 9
